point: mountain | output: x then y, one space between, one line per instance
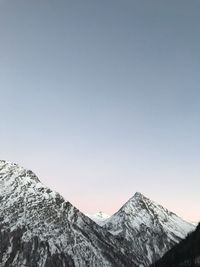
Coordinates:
38 228
99 217
149 229
186 253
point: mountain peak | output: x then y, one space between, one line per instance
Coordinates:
153 228
137 202
138 195
52 231
11 173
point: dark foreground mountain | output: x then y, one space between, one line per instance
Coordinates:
38 228
149 229
185 254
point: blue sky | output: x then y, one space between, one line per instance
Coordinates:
101 99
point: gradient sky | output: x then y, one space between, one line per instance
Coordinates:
102 99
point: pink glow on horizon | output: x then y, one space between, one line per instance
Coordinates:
109 206
110 210
93 199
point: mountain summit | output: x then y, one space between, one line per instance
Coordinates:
39 228
149 228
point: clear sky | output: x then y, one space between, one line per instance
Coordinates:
102 99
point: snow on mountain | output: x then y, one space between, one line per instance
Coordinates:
99 217
39 228
186 253
149 229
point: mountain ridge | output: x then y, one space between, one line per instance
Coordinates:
149 228
39 228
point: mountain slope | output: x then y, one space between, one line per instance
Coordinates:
38 228
186 253
150 229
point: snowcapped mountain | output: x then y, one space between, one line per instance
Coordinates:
149 229
39 228
99 217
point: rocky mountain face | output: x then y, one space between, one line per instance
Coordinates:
149 229
38 228
186 253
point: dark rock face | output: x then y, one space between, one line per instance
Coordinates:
39 229
29 251
149 229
